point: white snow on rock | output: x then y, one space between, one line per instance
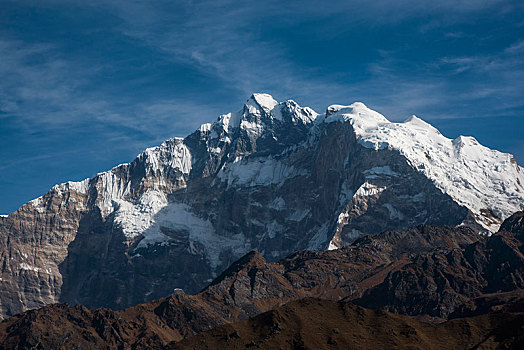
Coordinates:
111 189
206 127
252 127
80 186
257 105
266 101
153 213
380 170
172 153
367 189
137 218
472 174
258 171
342 217
37 203
332 246
179 217
304 115
27 267
230 121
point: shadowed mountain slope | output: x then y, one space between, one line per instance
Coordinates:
273 177
429 272
321 324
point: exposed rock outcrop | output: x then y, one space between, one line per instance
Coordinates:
274 177
434 273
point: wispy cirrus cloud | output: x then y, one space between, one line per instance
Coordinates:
110 77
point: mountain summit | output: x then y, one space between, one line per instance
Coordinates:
274 176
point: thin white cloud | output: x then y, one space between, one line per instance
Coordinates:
45 89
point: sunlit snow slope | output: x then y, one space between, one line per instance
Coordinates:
273 176
475 176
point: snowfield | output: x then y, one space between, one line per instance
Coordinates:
473 175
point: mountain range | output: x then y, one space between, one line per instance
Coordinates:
461 289
276 178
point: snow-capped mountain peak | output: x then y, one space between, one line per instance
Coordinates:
230 121
260 111
262 100
357 112
414 120
275 177
474 175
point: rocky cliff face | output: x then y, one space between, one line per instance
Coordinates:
275 177
435 273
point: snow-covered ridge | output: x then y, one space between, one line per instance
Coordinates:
473 175
275 177
172 153
75 186
262 105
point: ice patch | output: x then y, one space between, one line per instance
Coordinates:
419 197
273 228
380 170
332 246
135 219
206 127
256 222
354 234
27 267
259 171
367 189
178 217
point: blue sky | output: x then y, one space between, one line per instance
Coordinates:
86 85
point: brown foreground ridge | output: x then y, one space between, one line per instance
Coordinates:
433 273
312 323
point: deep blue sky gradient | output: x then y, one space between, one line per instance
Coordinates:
88 85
